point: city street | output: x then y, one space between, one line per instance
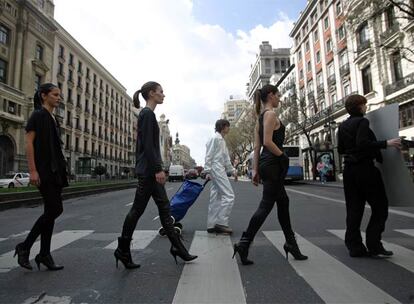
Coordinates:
85 238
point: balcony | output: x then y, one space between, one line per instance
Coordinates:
86 130
389 32
400 84
362 46
320 89
69 124
344 69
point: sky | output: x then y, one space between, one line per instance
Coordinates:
200 51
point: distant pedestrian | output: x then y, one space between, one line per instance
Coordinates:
324 167
151 179
47 168
362 179
271 167
217 166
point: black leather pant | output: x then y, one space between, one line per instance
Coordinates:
363 183
272 176
52 199
148 187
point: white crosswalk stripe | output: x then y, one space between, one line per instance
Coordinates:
409 232
140 239
325 274
2 239
213 277
402 256
8 262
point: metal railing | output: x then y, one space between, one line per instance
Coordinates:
400 84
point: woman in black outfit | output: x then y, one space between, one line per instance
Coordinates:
271 167
362 179
47 170
151 179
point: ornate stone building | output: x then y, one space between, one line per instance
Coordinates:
181 155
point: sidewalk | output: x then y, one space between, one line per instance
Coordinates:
336 184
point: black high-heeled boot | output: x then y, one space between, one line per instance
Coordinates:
23 256
178 248
47 260
291 246
123 253
242 248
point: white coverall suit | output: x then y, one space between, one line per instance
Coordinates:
218 164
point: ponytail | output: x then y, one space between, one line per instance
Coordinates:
257 101
135 99
45 88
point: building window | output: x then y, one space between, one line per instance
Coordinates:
338 7
328 45
315 35
307 46
3 71
39 52
366 79
38 81
390 17
347 89
76 144
61 51
80 66
314 16
318 56
341 32
67 141
333 98
396 66
331 70
71 59
60 71
319 79
299 55
309 68
4 35
70 75
363 33
87 72
326 22
301 74
343 58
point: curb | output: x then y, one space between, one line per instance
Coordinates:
34 197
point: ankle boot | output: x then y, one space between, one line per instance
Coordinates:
291 246
178 248
47 260
123 253
242 248
23 256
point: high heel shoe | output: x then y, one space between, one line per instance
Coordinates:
178 249
123 254
242 248
293 249
47 260
22 256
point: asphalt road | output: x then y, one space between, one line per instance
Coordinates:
84 239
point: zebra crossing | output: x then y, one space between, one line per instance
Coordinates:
216 278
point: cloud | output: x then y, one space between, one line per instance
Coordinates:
199 65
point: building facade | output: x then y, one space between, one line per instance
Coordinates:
335 59
27 33
269 61
233 108
182 156
95 112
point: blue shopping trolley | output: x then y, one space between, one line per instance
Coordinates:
182 200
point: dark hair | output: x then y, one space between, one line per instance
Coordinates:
145 90
353 104
261 95
221 124
45 88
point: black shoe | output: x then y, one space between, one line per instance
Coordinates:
23 256
178 248
123 253
211 230
381 252
223 229
242 248
47 260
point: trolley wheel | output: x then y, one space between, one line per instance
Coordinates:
173 219
161 231
178 230
179 225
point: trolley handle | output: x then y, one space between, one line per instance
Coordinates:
206 182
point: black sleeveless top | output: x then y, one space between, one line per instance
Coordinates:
278 138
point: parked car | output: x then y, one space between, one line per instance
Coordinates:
191 174
12 180
176 172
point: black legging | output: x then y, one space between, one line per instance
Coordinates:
273 191
52 199
147 187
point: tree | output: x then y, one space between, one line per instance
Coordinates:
100 170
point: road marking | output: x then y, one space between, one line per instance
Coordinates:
402 256
169 188
324 274
129 204
2 239
45 299
8 262
409 232
213 277
140 239
390 210
19 234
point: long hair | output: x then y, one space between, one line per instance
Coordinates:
260 96
145 90
44 88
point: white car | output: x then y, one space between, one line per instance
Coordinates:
12 180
